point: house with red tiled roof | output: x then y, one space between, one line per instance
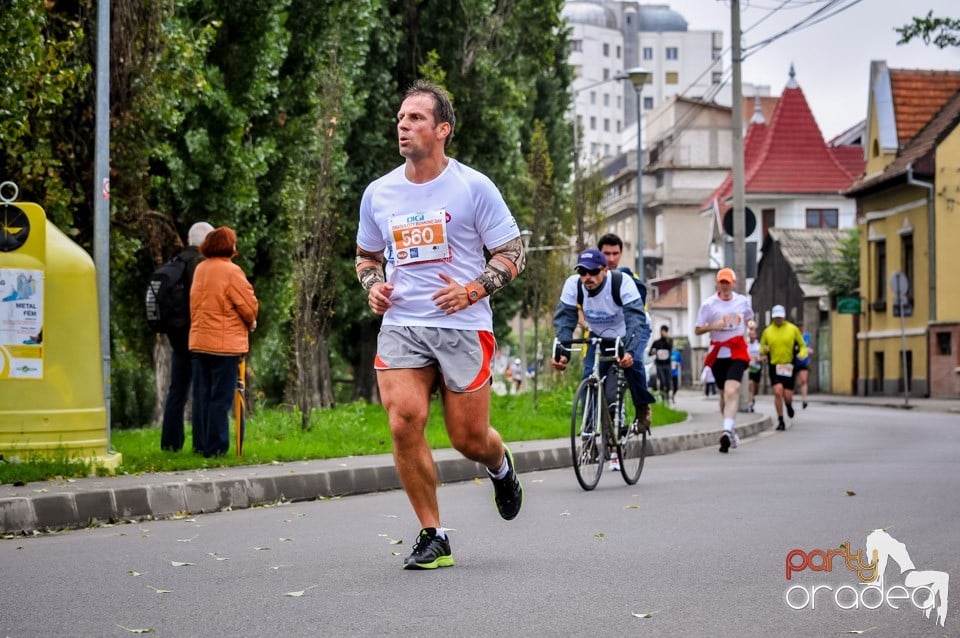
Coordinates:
900 103
908 338
792 177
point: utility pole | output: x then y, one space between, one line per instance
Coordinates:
738 212
101 196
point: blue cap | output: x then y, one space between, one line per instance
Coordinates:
592 259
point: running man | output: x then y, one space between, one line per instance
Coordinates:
778 342
725 315
430 219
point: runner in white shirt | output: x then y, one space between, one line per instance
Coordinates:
430 220
725 316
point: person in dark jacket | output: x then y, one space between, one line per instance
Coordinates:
181 362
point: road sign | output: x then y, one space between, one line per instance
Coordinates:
848 305
900 284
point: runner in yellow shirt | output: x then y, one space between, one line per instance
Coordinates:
777 342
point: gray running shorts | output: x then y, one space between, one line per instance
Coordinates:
462 356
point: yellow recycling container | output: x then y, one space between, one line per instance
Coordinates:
51 379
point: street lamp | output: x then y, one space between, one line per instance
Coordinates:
639 76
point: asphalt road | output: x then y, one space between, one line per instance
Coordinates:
699 545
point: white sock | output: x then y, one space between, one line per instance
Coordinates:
441 533
502 472
727 425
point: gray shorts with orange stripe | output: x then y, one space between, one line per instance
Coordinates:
463 357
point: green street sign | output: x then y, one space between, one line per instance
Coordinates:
848 305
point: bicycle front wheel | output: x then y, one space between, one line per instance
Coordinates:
586 438
633 442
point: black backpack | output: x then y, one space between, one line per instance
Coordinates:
168 299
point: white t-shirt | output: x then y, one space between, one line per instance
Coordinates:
602 313
426 229
753 349
735 314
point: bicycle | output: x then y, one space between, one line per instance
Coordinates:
619 429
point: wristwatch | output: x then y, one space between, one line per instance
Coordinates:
474 292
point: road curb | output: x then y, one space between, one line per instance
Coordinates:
51 512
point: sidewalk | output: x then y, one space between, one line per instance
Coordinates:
74 503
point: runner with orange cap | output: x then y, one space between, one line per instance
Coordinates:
725 316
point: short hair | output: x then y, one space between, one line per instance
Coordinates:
221 242
610 240
665 327
442 104
198 232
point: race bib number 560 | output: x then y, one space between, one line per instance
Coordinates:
419 237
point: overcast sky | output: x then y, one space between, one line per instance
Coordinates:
831 58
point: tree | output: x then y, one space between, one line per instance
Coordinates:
840 272
943 32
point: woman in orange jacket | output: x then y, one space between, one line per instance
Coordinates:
223 312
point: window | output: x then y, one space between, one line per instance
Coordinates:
647 53
647 103
672 77
606 149
606 74
593 123
606 99
576 46
880 274
822 217
606 50
768 219
619 125
906 263
619 101
618 52
593 97
673 53
944 343
716 77
606 125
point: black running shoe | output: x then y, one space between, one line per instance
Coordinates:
789 409
724 443
804 405
781 426
429 552
507 492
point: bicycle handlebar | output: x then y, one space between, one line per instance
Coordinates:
609 346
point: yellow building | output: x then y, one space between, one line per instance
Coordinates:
908 209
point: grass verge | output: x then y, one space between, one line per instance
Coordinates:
355 429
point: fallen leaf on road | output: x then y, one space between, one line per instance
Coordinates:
564 513
286 538
148 630
600 535
646 614
130 572
217 556
298 594
177 563
396 541
262 549
851 493
859 631
278 566
160 591
632 507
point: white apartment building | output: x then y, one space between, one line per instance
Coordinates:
609 36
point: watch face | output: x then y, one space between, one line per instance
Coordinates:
14 228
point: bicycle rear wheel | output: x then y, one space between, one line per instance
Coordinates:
586 438
633 443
